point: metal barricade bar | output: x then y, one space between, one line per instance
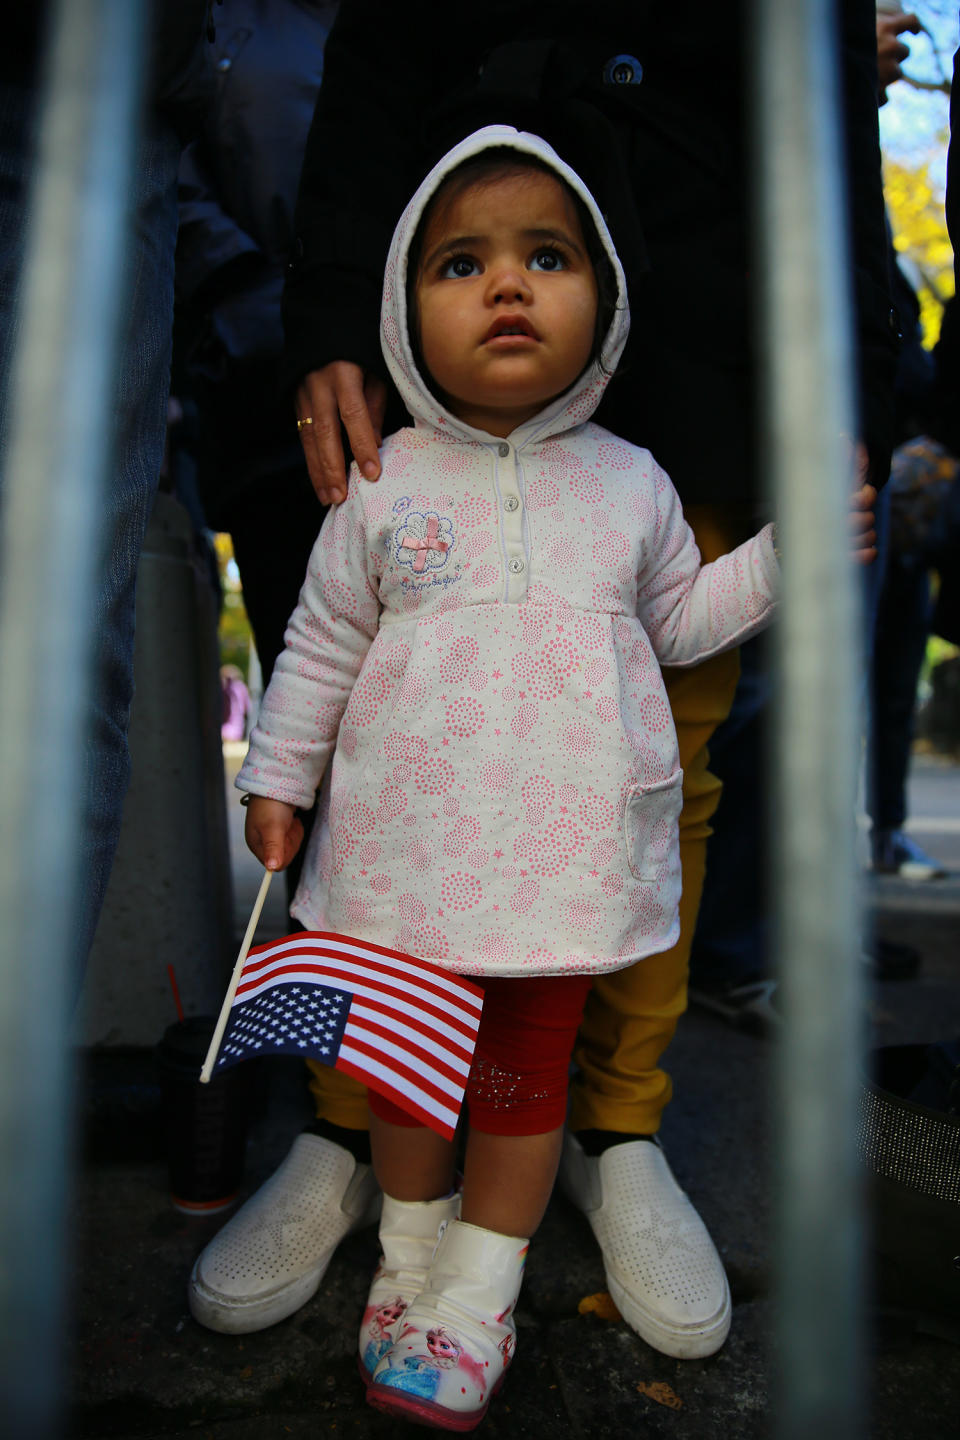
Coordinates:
55 476
809 408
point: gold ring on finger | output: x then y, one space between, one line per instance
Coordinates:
307 420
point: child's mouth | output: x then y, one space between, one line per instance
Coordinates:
510 328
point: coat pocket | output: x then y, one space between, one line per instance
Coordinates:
651 816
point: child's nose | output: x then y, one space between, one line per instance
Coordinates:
507 285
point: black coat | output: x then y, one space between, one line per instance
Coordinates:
237 191
667 157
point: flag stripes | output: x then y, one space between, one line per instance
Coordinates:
407 1040
416 1103
407 995
373 958
401 1026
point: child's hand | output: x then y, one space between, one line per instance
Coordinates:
272 831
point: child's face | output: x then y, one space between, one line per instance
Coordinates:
507 299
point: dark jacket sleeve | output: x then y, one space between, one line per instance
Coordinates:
181 73
209 241
356 180
877 332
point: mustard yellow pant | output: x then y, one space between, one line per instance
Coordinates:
631 1014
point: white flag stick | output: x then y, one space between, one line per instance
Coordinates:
210 1061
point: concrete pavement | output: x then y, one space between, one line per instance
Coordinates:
143 1367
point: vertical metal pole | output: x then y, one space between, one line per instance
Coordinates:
55 476
807 365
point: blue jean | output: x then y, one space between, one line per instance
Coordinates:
900 640
139 416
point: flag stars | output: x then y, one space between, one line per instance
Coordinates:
295 1020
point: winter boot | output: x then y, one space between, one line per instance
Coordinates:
409 1230
457 1338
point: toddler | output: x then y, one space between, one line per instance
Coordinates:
473 673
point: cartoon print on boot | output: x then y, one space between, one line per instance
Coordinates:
422 1374
379 1322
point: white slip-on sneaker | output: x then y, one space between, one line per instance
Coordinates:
663 1271
269 1259
409 1231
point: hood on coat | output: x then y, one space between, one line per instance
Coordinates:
576 404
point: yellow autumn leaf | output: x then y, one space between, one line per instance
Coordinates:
915 207
658 1390
600 1305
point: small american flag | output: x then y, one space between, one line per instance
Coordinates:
401 1026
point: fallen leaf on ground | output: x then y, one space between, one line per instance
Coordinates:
600 1305
662 1393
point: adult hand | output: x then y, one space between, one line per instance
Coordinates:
272 831
863 534
340 392
891 51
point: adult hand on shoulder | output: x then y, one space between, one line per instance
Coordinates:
340 393
273 831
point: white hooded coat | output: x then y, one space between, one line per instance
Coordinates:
476 645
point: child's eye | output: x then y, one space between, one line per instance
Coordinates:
459 267
547 259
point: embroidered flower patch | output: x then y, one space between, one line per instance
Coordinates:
424 542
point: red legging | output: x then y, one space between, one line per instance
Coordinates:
518 1080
